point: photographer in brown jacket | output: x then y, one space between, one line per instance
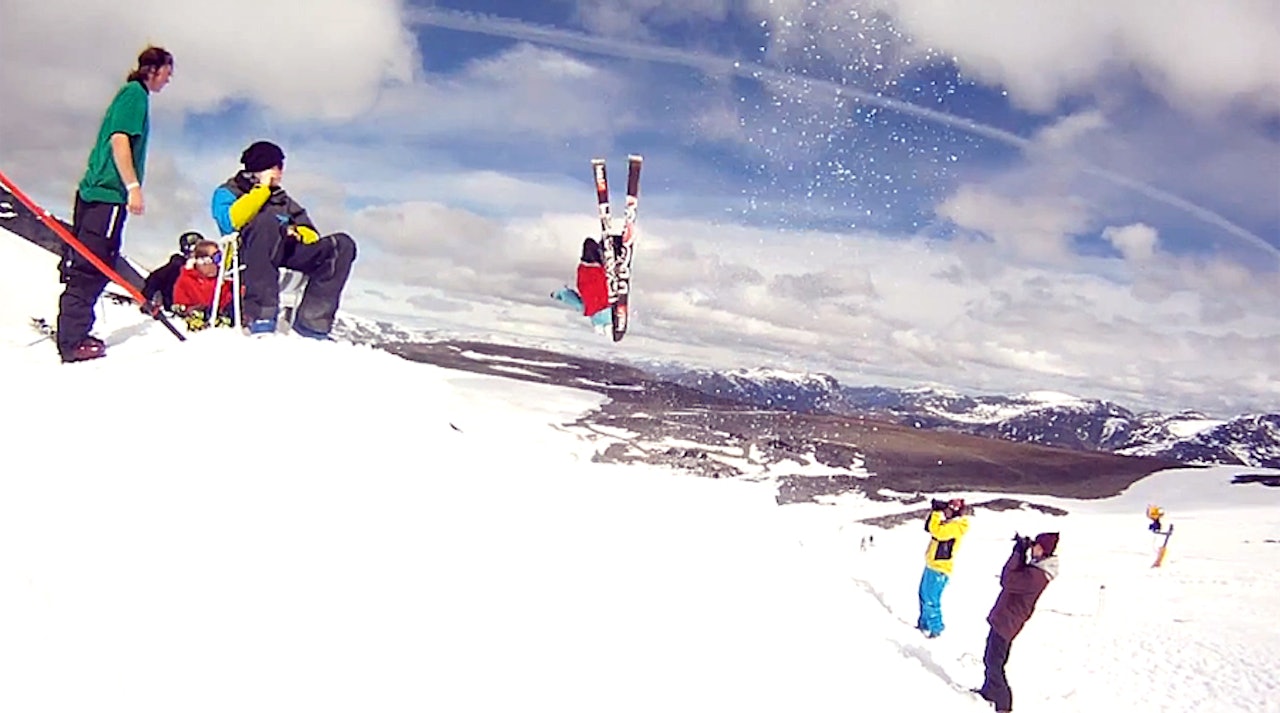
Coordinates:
1030 568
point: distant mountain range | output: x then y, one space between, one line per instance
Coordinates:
1045 418
1041 417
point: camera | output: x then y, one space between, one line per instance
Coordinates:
936 504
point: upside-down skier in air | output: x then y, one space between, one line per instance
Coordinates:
591 297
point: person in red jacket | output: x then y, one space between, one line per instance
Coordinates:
592 294
1030 568
196 283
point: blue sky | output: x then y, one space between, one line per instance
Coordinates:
990 196
855 159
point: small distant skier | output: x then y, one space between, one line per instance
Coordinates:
1154 514
946 525
1029 569
591 297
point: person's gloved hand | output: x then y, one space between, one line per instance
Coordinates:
1021 543
151 307
302 234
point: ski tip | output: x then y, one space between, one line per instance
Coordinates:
635 157
597 161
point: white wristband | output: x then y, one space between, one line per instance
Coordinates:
132 186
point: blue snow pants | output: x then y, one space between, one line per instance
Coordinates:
570 297
932 582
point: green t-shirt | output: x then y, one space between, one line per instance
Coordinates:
126 115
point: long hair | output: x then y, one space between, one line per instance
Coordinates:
151 59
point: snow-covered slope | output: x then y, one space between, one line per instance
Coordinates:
278 524
1111 633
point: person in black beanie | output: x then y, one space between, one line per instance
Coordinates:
275 232
262 155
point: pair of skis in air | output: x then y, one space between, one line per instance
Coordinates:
618 248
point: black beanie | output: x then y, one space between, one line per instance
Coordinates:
591 252
262 155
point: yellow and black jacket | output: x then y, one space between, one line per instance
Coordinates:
241 199
945 538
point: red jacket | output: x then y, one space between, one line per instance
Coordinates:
593 288
1020 587
195 291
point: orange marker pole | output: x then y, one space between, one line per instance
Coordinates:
1163 548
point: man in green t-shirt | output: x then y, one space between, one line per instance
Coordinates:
111 188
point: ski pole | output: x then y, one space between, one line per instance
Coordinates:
66 237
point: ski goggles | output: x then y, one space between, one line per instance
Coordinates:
209 259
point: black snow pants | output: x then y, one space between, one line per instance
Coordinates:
99 226
264 249
995 686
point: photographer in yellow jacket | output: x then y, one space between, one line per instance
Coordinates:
946 524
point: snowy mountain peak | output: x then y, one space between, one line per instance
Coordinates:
771 388
1055 398
798 378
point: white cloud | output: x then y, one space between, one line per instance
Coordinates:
519 93
1027 227
1135 242
1200 55
1066 131
298 58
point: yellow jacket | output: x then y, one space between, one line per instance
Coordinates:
945 538
240 200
